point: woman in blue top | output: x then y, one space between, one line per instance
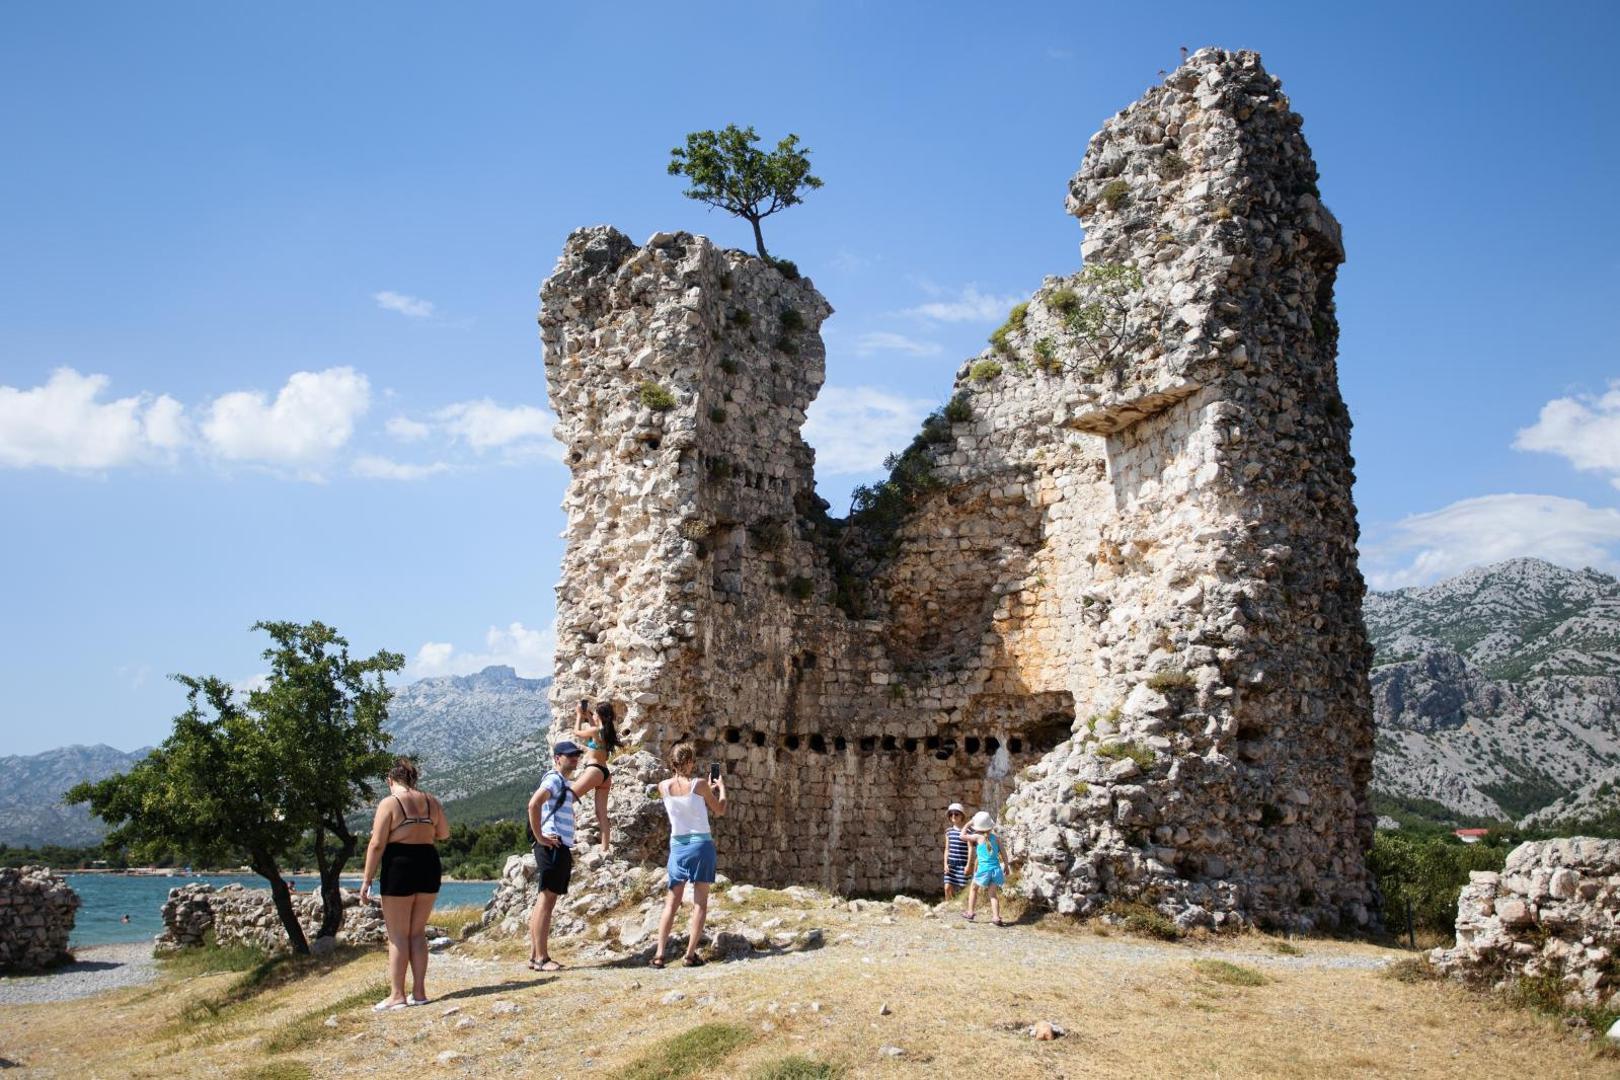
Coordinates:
990 865
689 803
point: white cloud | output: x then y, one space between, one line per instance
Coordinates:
1473 532
136 675
380 468
1585 430
62 425
485 425
407 430
409 306
884 341
968 305
312 416
854 428
529 652
251 683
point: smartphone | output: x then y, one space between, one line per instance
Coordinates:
714 771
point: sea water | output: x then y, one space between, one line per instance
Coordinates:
107 898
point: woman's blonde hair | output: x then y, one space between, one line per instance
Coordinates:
681 758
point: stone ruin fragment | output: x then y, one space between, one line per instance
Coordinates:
1112 596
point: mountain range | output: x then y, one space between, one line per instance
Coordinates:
470 734
1497 694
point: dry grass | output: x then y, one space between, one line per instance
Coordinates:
455 921
958 994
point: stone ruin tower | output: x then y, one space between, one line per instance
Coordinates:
1111 596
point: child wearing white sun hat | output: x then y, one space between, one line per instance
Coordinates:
989 865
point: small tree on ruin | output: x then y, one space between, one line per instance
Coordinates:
727 170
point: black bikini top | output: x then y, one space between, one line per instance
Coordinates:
409 820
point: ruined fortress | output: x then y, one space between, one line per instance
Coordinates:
1110 593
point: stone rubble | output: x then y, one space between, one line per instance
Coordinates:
1553 910
613 908
37 910
1122 613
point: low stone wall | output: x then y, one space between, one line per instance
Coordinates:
36 917
1553 910
242 916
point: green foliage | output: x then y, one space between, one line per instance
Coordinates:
1046 356
1270 815
740 317
984 371
1231 974
717 414
798 1067
1173 165
1140 919
210 958
1064 301
655 397
958 410
791 321
1115 194
1098 318
1525 791
479 851
725 169
801 588
1428 872
1081 788
1169 679
728 365
697 1052
237 782
786 267
1000 337
1137 752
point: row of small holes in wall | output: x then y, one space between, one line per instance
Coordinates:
940 748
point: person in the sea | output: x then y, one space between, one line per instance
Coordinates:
125 919
689 802
595 729
551 820
403 831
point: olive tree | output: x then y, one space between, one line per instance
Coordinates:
726 170
248 780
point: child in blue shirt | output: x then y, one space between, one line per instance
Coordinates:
989 865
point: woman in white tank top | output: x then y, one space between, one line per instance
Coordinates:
689 802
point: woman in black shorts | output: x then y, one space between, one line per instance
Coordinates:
402 835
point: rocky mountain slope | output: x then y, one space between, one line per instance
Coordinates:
1497 692
470 732
31 811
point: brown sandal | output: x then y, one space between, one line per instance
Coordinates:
658 962
693 961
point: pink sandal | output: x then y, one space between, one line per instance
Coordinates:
968 915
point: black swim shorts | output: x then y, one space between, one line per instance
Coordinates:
554 866
408 869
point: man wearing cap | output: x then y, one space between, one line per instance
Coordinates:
551 819
956 850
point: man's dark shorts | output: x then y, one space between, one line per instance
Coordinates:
554 866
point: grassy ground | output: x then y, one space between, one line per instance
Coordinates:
889 996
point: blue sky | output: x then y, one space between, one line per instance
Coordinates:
268 284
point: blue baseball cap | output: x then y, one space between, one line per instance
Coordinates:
565 748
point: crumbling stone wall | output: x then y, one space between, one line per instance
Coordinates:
37 910
1122 603
237 915
1554 910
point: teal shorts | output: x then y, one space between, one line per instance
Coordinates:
990 875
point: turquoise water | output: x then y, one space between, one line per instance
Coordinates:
107 898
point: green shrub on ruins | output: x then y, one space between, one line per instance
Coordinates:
1115 193
1116 751
792 321
717 414
984 371
655 397
1427 871
1169 679
1000 338
959 410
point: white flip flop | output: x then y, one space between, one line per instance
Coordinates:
389 1006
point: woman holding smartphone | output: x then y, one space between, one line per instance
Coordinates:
688 802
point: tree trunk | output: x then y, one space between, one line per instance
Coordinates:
331 869
759 239
266 867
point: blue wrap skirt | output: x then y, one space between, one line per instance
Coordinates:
691 858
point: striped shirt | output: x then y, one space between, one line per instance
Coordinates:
956 849
557 818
